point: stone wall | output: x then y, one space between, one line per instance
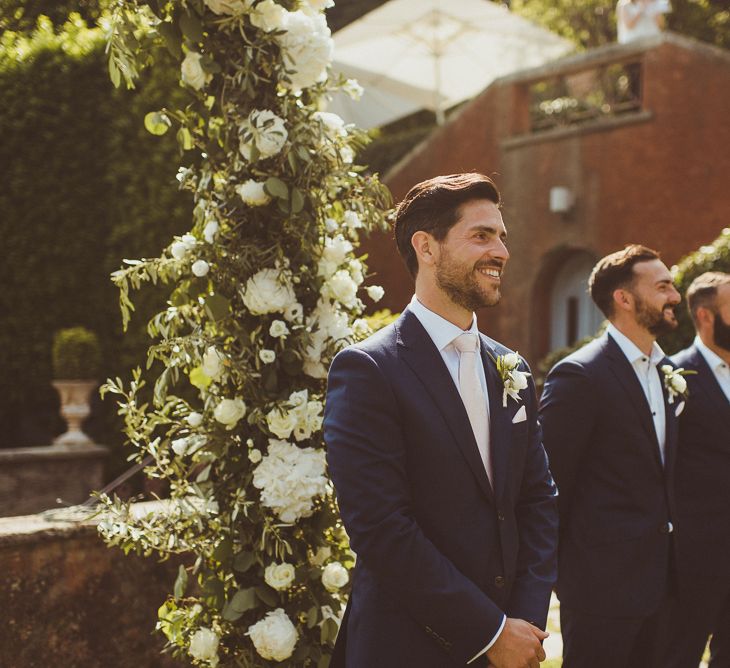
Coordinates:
41 478
69 601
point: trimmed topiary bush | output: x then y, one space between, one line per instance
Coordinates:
76 354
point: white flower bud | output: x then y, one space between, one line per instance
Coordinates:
200 268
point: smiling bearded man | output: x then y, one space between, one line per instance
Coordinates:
438 462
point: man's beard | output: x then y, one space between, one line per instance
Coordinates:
721 331
652 319
462 285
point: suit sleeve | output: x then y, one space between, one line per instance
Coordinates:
537 521
367 462
567 414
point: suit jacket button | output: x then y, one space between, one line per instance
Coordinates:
500 516
499 581
666 528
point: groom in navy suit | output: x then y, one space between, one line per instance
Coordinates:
703 483
437 458
610 430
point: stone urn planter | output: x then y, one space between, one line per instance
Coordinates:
76 358
75 408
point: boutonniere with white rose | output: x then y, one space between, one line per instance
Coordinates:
674 381
513 379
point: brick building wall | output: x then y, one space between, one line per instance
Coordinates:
655 176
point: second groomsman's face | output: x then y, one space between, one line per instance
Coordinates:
721 326
472 256
654 297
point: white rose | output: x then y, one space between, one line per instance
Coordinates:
278 329
269 291
334 576
229 411
269 16
200 268
229 7
679 384
264 129
267 356
341 287
375 292
352 220
204 646
281 423
253 193
255 456
210 231
511 360
279 576
192 71
518 380
194 419
212 363
274 637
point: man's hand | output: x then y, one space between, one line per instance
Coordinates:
518 646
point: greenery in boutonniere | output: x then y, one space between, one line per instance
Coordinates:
674 382
513 379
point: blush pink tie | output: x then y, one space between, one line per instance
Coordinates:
472 394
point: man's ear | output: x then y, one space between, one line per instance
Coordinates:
623 300
705 316
426 248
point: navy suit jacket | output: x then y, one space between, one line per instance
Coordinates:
440 555
615 497
703 471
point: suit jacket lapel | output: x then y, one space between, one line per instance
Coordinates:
500 424
671 422
624 372
419 352
708 383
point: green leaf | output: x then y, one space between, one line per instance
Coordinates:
157 123
181 582
114 74
312 617
243 561
324 661
191 28
185 139
297 200
223 551
328 632
267 595
172 38
276 188
217 307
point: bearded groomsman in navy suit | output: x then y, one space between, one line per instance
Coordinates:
610 431
437 459
702 483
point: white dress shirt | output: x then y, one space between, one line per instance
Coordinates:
443 333
718 366
649 376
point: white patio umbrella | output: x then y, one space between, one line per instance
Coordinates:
452 49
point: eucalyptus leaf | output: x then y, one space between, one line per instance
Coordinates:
157 123
191 27
243 561
181 582
276 188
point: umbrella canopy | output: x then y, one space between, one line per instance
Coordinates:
444 52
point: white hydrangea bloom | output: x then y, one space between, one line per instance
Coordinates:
290 478
274 636
192 72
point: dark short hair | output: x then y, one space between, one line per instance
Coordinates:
616 271
703 291
433 206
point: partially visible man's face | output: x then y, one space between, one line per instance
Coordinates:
472 256
655 297
721 327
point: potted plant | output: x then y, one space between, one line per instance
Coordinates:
76 360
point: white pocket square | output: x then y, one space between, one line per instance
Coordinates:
520 415
679 409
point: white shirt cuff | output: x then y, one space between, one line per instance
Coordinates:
491 642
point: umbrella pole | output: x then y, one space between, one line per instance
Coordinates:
440 116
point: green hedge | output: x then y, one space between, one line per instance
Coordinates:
83 185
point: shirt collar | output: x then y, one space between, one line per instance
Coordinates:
631 350
714 361
441 331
